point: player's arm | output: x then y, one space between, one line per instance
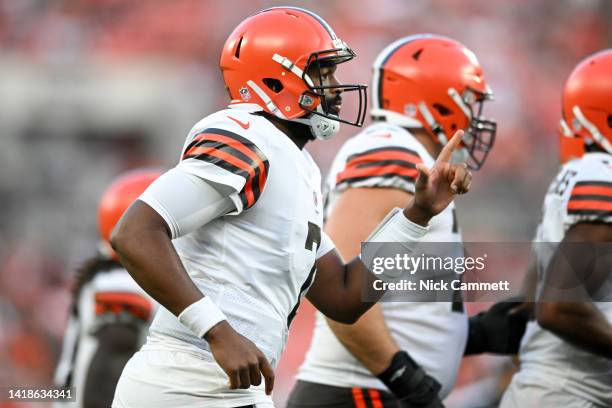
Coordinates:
338 287
500 329
142 239
143 242
580 323
368 339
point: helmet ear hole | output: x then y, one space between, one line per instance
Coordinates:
273 84
610 121
442 110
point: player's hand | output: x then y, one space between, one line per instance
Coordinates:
426 396
412 386
435 188
498 330
241 360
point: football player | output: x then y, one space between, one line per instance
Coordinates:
230 239
566 355
110 313
424 88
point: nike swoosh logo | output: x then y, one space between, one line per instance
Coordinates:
386 135
244 125
397 374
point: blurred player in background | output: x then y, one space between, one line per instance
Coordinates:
244 209
566 355
425 87
110 313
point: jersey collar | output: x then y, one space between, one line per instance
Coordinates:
245 107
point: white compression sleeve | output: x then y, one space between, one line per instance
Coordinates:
326 245
186 202
398 229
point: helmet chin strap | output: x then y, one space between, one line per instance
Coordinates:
321 127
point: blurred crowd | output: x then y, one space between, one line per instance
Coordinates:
90 88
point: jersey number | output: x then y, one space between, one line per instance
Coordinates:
313 237
313 240
560 187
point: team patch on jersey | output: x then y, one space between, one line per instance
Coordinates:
235 154
381 167
117 302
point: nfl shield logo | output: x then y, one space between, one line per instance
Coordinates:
245 94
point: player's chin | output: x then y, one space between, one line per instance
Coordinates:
335 110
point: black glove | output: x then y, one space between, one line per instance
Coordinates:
497 330
410 383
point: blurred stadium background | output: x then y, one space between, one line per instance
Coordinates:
91 88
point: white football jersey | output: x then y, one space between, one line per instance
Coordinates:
257 262
109 296
581 192
434 334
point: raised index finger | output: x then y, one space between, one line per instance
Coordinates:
447 152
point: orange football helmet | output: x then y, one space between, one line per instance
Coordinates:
265 61
435 83
587 101
116 199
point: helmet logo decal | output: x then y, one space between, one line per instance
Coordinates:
306 100
245 95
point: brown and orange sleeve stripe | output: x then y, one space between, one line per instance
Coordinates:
235 154
591 198
380 163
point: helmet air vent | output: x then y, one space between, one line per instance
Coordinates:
442 110
237 53
417 54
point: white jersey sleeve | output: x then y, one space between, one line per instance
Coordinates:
382 156
581 192
186 202
223 150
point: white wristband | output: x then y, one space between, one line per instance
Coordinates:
398 229
395 227
201 316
